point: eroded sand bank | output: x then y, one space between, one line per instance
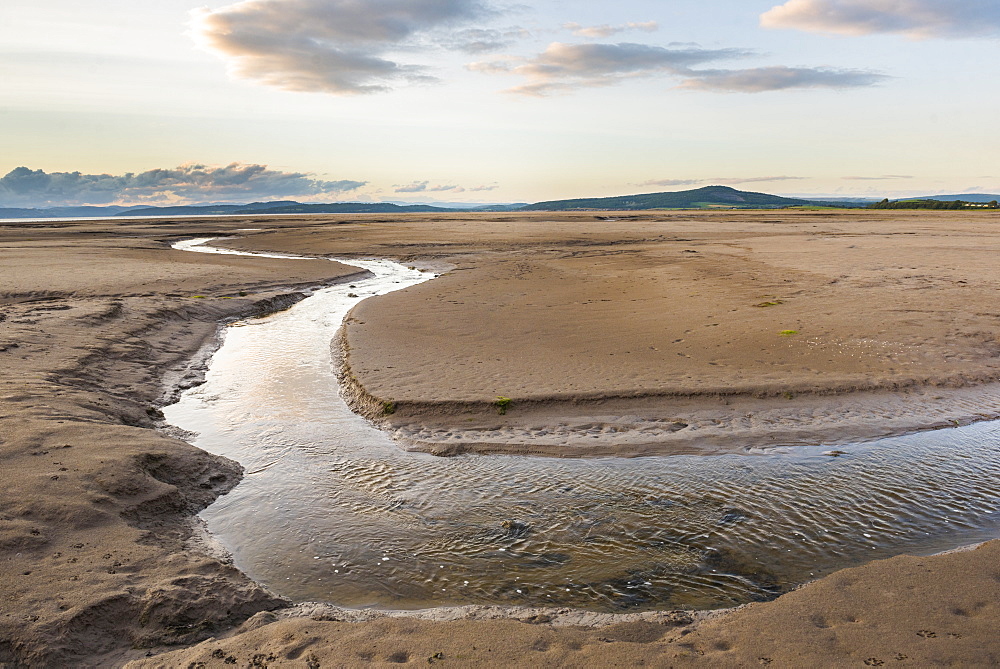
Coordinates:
96 560
95 505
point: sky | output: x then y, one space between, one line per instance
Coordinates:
482 101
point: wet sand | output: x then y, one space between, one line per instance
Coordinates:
98 557
906 611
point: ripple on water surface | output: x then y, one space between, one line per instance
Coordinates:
332 510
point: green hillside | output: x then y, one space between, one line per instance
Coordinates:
699 198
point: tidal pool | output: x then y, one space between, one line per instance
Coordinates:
332 510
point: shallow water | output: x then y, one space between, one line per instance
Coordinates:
333 510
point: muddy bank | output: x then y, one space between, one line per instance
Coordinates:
97 506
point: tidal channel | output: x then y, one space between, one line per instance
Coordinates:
333 510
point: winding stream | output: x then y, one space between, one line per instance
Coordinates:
332 510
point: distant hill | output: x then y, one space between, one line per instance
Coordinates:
965 197
699 198
61 212
277 207
285 208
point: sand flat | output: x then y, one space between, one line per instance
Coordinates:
97 563
656 321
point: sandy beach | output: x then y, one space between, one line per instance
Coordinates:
610 334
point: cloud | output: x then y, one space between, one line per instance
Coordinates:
480 189
673 182
716 180
761 79
609 30
747 180
334 46
567 66
564 67
425 187
918 19
482 40
415 187
187 184
884 177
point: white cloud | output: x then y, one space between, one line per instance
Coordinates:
914 18
564 67
187 184
609 30
335 46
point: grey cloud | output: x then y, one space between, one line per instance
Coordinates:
482 40
914 18
479 189
673 182
761 79
748 180
23 187
565 67
415 187
330 46
609 30
425 187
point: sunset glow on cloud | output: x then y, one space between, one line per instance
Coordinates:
914 18
331 46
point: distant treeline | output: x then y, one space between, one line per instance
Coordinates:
933 204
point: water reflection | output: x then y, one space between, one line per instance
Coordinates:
332 510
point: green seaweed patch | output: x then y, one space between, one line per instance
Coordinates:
788 333
765 305
501 404
388 408
197 297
